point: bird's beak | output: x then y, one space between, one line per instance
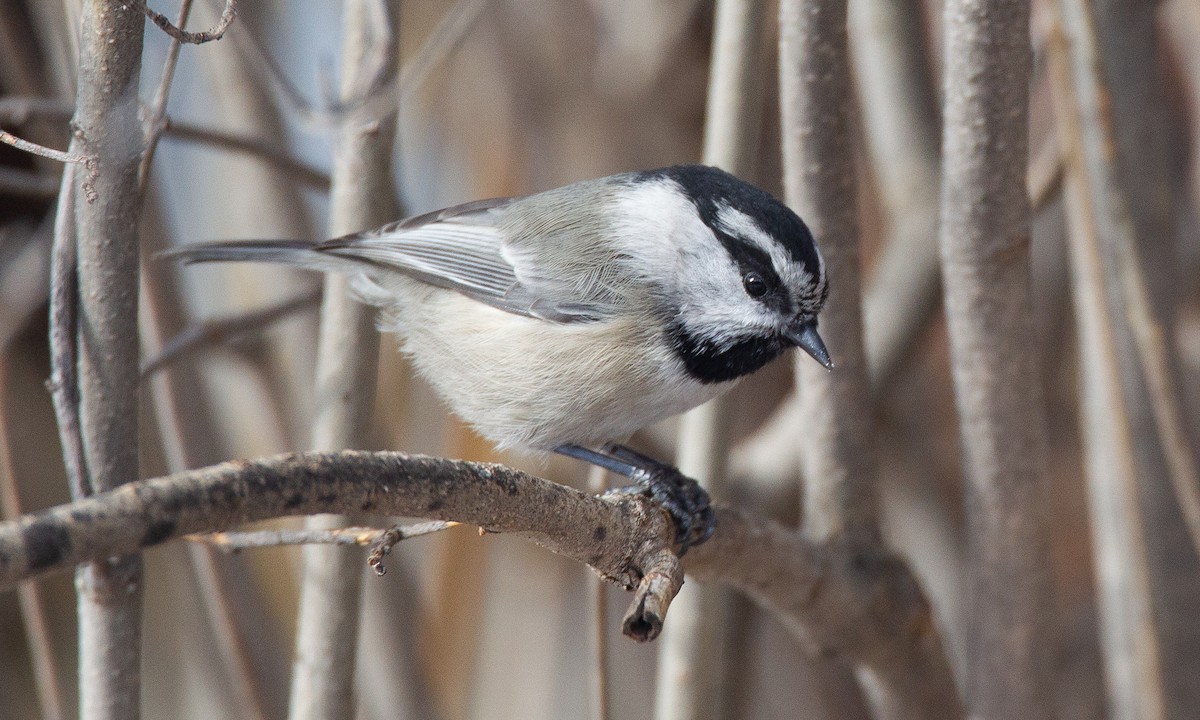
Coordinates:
805 336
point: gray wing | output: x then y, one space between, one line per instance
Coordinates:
463 248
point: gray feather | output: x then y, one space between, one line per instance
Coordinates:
543 256
300 253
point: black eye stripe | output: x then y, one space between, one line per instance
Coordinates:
750 258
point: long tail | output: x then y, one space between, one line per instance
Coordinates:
300 253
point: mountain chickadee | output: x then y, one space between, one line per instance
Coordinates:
569 319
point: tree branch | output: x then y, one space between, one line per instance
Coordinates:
193 38
865 606
985 270
20 110
63 157
107 128
218 331
361 196
692 669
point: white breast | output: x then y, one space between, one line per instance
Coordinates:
523 382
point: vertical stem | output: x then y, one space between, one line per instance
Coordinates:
1144 589
690 665
985 270
348 351
33 615
107 128
900 123
190 438
601 708
1128 632
838 460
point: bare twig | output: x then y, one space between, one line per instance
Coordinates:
985 274
1124 591
362 196
64 306
1154 354
600 708
691 661
294 168
76 158
836 450
391 537
865 606
232 542
19 110
262 150
225 330
156 116
900 123
441 43
33 616
491 496
59 155
192 38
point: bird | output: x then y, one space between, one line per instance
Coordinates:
566 320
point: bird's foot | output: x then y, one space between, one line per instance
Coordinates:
681 496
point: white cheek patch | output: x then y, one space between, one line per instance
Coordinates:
653 222
660 229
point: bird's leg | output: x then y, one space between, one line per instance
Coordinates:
678 494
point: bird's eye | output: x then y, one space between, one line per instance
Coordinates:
755 286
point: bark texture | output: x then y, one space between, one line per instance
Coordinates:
985 270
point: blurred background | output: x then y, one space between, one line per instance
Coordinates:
511 97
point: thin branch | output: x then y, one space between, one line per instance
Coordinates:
88 161
449 34
29 596
1125 596
900 122
600 707
19 110
362 195
156 117
1112 204
865 606
691 661
232 542
193 38
223 330
491 496
59 155
64 307
291 166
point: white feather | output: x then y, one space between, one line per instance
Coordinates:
524 382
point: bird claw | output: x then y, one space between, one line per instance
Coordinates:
681 496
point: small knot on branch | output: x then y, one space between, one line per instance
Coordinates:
392 536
